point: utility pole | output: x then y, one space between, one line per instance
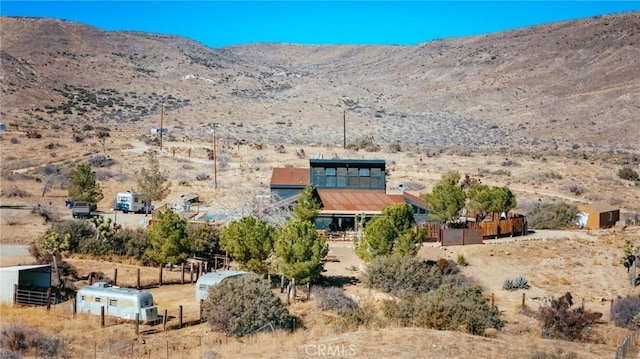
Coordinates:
344 128
161 119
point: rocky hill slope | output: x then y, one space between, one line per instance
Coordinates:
557 85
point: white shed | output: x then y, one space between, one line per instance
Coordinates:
211 279
33 280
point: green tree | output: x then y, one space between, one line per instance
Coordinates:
153 183
204 239
300 251
308 205
480 200
390 234
503 199
83 185
168 238
627 257
55 245
446 198
249 242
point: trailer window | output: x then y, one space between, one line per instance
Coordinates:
98 300
113 302
82 297
146 303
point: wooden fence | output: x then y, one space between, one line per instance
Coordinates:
475 232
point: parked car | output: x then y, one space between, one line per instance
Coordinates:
81 209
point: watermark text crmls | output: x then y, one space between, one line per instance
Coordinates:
330 350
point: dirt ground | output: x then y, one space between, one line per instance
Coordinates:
585 263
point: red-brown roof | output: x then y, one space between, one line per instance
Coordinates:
356 200
290 177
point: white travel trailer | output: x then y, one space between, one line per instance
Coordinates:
131 202
211 279
119 302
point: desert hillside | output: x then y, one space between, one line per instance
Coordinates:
554 86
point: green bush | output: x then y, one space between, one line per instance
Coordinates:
629 174
450 307
400 275
243 305
552 216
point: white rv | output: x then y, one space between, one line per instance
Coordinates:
118 302
132 202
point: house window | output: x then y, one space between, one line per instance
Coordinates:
364 172
330 171
610 217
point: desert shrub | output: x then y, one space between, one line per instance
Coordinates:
242 305
625 310
552 216
509 163
101 161
450 307
574 188
629 174
79 230
413 186
103 175
78 137
136 244
557 353
14 141
51 169
202 176
332 298
46 211
14 191
401 275
547 176
351 314
560 321
366 143
394 147
461 260
20 339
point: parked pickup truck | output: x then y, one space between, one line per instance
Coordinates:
81 209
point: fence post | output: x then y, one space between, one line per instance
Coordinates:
582 304
180 320
90 278
182 273
191 272
164 320
201 302
523 294
49 298
15 294
102 316
138 280
75 306
160 276
493 299
137 324
115 276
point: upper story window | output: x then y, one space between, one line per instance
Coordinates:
364 172
330 171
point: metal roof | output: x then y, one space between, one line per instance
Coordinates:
599 207
290 177
356 199
212 278
335 161
19 268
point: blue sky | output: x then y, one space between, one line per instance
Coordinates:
224 23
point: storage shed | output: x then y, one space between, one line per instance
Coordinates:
211 279
599 215
31 283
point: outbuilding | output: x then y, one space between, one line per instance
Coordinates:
25 285
212 279
599 215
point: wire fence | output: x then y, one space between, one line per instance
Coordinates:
623 348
